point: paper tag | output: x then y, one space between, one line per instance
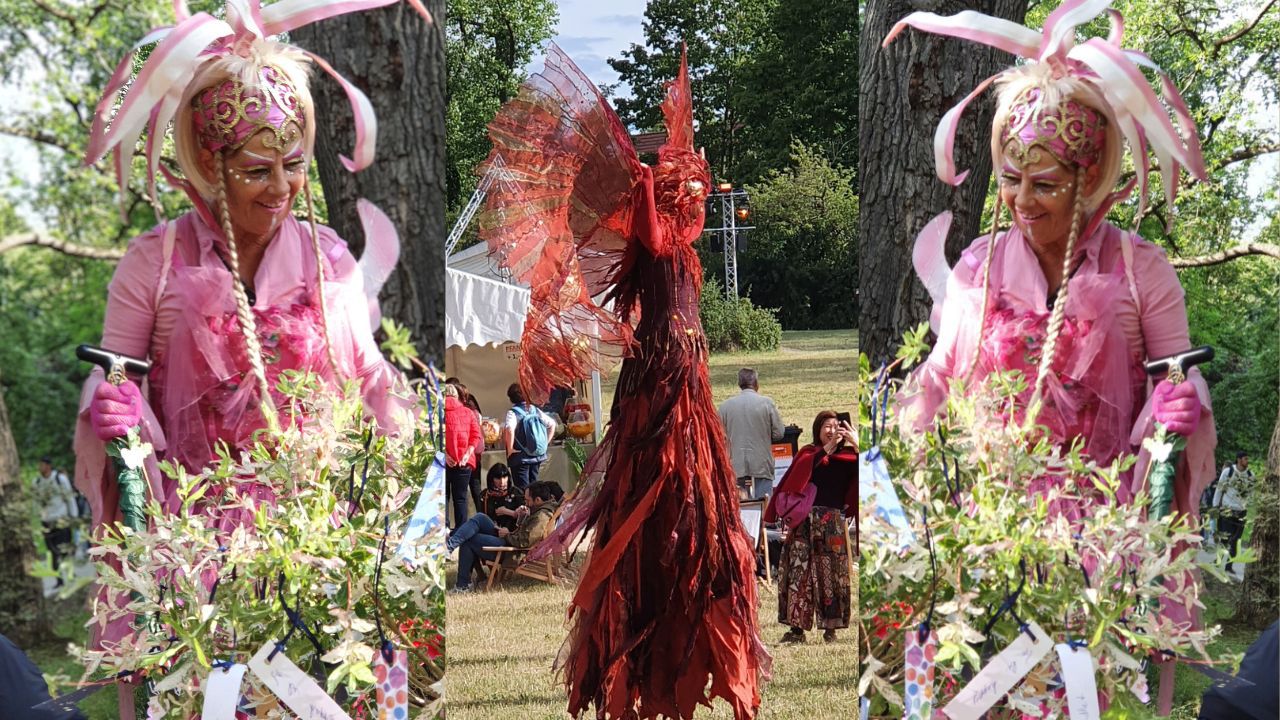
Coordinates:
392 684
874 483
428 513
1077 675
917 698
222 692
1000 675
294 687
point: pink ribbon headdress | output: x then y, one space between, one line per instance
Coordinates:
151 100
1114 71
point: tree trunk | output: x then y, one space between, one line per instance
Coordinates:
905 89
397 59
22 607
1259 602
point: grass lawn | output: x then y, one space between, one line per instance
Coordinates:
812 371
502 644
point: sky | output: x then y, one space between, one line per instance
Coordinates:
591 32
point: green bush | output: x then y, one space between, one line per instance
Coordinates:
736 325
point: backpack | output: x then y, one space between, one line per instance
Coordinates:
531 435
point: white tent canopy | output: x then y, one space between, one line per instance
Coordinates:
484 319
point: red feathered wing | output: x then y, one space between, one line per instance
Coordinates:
557 218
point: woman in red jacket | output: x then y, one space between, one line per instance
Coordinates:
813 575
461 437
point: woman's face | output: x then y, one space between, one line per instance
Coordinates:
1041 196
827 434
262 184
500 483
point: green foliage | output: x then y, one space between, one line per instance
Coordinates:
1017 501
802 257
315 547
736 325
488 45
764 73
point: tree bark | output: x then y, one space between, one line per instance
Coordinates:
22 606
397 59
904 91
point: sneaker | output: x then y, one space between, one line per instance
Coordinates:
829 636
459 590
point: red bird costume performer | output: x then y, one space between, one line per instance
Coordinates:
664 616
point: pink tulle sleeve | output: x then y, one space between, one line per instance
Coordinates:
387 397
953 350
127 329
1165 332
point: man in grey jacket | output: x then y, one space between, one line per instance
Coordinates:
751 424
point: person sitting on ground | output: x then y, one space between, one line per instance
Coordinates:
501 500
534 522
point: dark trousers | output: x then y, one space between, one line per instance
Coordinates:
459 481
477 495
1231 522
57 539
524 470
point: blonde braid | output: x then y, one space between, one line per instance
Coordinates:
324 304
248 327
1060 305
986 285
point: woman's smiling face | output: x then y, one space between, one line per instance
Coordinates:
262 184
1041 195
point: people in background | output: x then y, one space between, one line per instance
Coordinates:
534 520
526 432
751 424
501 499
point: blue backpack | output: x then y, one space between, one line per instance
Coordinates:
531 435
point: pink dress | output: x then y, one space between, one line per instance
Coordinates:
1125 306
171 301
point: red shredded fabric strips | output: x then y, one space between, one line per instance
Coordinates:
664 617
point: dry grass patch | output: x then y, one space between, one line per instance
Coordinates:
502 645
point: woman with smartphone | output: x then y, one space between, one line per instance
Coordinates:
813 501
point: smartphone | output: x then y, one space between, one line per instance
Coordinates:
844 417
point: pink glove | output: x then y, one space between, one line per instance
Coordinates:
1177 407
114 410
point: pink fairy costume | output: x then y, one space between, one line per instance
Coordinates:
172 298
1123 305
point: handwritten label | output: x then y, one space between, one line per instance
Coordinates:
917 697
1000 675
222 692
1077 675
294 687
392 683
427 514
874 483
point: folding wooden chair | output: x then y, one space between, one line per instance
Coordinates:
752 514
509 561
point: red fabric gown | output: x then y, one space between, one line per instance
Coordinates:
664 617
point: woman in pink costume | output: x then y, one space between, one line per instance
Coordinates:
1074 302
236 291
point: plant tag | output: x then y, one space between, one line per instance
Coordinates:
1000 675
874 483
222 692
1077 675
392 685
294 687
917 698
428 513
